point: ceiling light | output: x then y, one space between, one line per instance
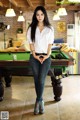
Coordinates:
74 1
21 17
8 27
56 17
10 13
62 11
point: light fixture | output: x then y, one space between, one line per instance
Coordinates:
8 27
62 11
21 17
74 1
56 17
10 12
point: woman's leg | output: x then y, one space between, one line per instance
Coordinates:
35 68
40 72
43 70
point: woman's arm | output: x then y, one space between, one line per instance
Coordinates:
48 53
32 49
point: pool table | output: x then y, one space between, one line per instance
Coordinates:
17 64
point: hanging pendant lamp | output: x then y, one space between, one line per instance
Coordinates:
21 17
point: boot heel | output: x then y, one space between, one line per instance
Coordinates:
41 107
36 108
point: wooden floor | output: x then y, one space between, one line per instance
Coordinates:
20 98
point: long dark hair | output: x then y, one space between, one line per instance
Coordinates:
34 23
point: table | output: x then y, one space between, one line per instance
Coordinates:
17 64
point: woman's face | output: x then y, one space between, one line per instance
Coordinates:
40 16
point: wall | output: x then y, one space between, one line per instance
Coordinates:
13 26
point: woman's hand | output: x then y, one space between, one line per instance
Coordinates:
43 58
38 58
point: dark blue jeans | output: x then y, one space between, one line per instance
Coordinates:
39 72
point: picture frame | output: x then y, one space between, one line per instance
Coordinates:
61 26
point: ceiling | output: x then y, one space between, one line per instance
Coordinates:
26 5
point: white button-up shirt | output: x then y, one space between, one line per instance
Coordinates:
42 39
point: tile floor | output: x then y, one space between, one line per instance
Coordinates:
19 100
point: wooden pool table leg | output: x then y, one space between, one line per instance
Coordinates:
8 79
1 90
56 83
57 88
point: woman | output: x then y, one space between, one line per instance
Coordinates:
40 36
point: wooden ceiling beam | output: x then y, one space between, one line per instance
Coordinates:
30 3
1 4
13 2
4 3
73 8
18 5
45 3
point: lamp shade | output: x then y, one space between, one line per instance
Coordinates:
74 1
56 17
20 18
62 11
10 13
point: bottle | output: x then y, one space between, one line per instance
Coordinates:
14 57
